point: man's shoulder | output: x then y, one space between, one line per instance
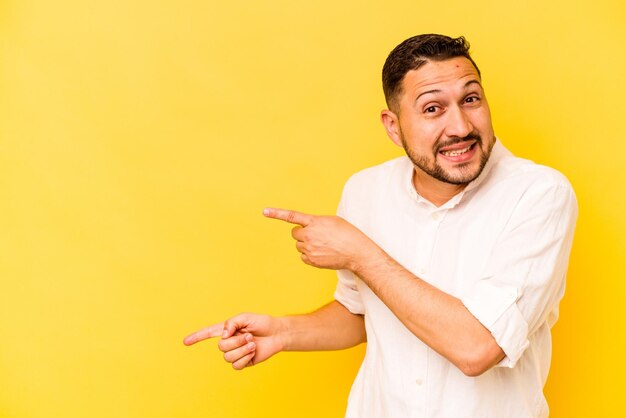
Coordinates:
370 190
394 169
523 173
515 182
517 189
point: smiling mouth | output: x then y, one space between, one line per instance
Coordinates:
457 152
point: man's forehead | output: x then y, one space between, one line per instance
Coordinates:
458 71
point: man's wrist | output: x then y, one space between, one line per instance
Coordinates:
368 260
283 335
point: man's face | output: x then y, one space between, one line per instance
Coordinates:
443 121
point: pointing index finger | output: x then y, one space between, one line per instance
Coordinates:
291 216
205 333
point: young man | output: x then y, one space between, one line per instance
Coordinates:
451 260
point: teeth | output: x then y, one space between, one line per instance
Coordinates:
454 153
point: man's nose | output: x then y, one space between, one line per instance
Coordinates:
458 123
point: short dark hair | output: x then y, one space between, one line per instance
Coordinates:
414 52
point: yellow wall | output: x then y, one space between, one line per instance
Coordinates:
140 140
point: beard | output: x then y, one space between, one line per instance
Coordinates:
463 173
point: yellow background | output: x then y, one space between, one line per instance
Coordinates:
140 140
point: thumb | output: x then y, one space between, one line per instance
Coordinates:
235 324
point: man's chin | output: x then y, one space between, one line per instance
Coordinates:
451 172
461 174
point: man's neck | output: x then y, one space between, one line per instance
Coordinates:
435 191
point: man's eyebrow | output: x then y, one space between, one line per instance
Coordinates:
427 92
473 82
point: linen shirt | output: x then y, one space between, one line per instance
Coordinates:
501 246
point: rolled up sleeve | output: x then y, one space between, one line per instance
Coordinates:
520 289
347 292
496 308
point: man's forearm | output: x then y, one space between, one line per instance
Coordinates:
332 327
438 319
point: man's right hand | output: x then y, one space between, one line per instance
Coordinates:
246 339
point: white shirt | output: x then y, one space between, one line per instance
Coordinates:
501 246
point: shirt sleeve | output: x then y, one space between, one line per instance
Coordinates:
521 287
347 292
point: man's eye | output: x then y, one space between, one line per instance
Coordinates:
431 109
471 99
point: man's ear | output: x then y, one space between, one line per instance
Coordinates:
391 122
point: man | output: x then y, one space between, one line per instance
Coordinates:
451 260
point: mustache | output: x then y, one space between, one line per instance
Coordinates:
457 139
